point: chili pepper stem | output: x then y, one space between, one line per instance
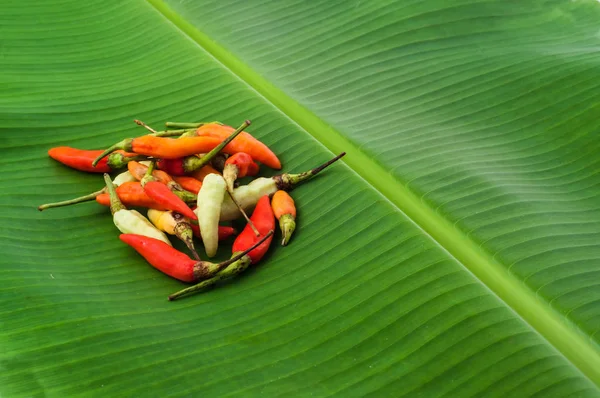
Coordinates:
184 232
125 145
81 199
287 225
243 213
144 125
240 262
148 176
287 182
204 160
179 125
115 203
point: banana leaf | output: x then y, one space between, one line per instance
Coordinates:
454 252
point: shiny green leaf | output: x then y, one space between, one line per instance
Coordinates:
455 251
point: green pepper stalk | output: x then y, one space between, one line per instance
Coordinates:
131 221
247 195
119 179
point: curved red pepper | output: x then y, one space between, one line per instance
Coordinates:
164 197
162 256
264 221
245 164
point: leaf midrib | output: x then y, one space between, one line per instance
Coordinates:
559 331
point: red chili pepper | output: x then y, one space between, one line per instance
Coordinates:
132 195
238 166
81 159
139 170
163 195
175 263
264 221
224 231
189 164
247 242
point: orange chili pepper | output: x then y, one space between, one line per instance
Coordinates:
285 211
167 148
203 172
132 195
187 164
242 143
189 183
138 171
81 159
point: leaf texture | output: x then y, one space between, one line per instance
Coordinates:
367 299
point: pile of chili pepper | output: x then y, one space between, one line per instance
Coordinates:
186 177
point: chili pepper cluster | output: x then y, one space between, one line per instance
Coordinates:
186 178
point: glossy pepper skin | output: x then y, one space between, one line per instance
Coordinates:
208 210
132 195
188 164
224 232
247 195
131 221
188 183
174 223
80 159
247 241
139 171
238 166
242 143
284 209
173 262
264 221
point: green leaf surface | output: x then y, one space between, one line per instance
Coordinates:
454 252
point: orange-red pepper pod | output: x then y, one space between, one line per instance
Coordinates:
167 148
238 166
285 211
203 172
163 195
132 195
138 171
244 142
81 159
264 221
224 232
188 183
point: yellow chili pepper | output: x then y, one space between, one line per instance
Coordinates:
174 223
